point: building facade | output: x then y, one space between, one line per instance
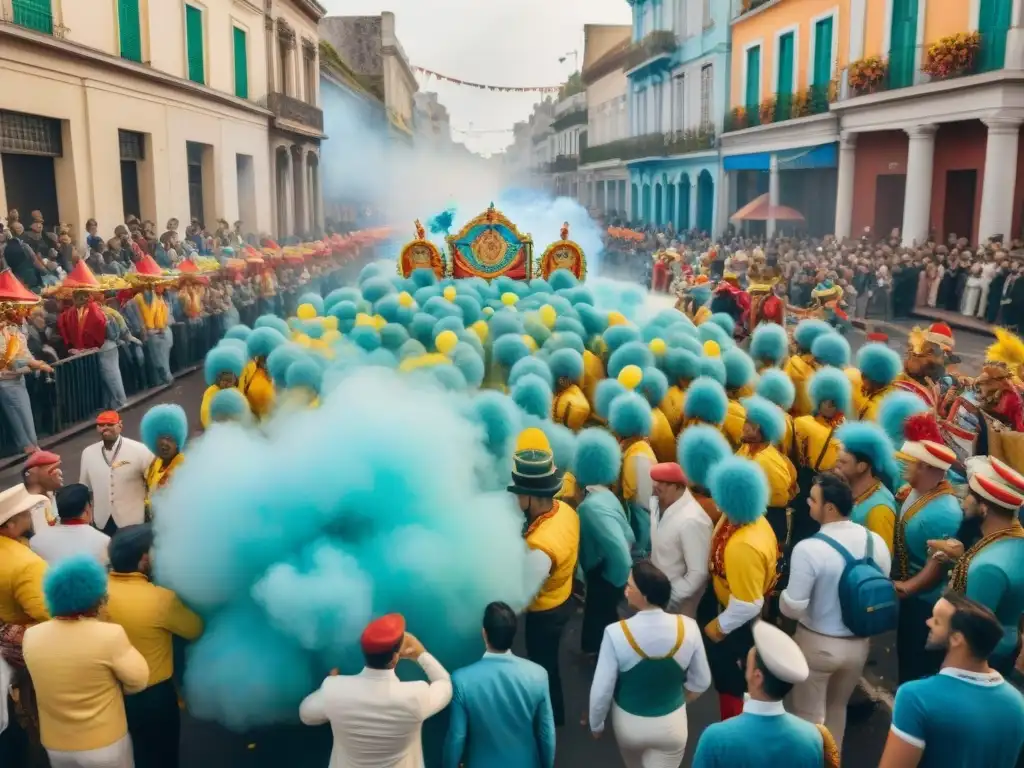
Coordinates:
433 124
162 111
569 133
603 172
907 142
676 66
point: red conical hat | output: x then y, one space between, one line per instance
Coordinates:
11 290
81 278
188 267
147 267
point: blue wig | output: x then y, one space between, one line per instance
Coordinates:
426 293
684 338
534 328
878 364
739 368
831 384
570 325
831 349
423 277
374 290
594 321
439 307
562 279
776 386
74 586
411 348
471 309
239 331
868 441
709 331
894 410
740 489
630 416
379 358
598 459
230 405
236 344
562 441
533 395
223 359
767 416
713 368
605 394
422 328
566 364
366 337
700 294
653 386
448 376
279 360
393 336
700 448
508 350
317 301
470 362
565 340
528 365
807 331
504 322
500 419
264 340
450 323
304 374
769 344
724 321
617 335
389 308
347 293
631 353
272 321
164 420
680 365
706 401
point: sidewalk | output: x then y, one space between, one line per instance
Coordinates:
954 320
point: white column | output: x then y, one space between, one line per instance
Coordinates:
1000 177
917 201
724 209
773 191
289 196
844 184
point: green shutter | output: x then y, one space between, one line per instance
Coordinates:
822 64
903 44
753 94
993 24
34 14
128 29
784 85
194 40
241 65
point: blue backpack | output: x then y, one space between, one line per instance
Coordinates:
867 596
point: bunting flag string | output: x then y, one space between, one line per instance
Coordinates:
485 87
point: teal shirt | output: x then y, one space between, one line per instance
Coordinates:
961 720
606 539
758 740
996 579
938 519
882 497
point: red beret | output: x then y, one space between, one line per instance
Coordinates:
383 634
108 417
42 459
877 336
668 472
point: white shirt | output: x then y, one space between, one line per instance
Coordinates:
655 632
680 545
375 717
56 542
42 513
815 569
117 479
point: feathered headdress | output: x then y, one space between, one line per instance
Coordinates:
922 426
1008 349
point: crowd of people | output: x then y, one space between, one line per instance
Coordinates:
743 511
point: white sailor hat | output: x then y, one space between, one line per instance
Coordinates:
995 481
780 653
928 452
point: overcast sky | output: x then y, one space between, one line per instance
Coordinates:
496 42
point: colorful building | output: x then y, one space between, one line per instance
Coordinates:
676 66
911 121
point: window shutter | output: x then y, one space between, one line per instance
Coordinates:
128 29
993 24
194 44
241 64
784 85
753 78
34 14
823 51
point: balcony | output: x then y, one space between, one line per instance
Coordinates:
296 111
563 164
741 7
814 101
569 119
608 63
32 15
659 46
651 145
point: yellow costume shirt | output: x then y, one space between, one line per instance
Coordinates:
811 434
735 418
867 405
663 439
593 372
628 478
672 407
257 388
800 368
779 469
571 408
557 535
787 438
743 567
21 584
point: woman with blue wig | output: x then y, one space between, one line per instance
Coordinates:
164 431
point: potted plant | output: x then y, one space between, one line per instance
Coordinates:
952 56
866 75
767 111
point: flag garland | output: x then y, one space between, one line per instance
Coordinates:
485 87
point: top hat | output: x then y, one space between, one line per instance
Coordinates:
534 474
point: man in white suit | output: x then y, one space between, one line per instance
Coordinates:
375 717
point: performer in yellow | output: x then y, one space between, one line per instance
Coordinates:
706 403
570 407
223 368
654 387
763 431
149 316
630 420
879 366
552 533
925 364
769 346
164 431
255 382
802 365
866 462
742 564
303 380
739 378
775 386
681 367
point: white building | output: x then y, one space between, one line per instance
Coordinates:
433 126
570 132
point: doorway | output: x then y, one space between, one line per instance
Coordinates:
890 189
31 186
958 209
130 203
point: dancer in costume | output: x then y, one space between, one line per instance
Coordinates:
570 407
681 367
769 346
552 532
866 462
701 448
924 370
777 387
149 316
765 734
255 382
742 564
651 665
164 430
230 405
630 421
739 379
931 511
223 368
763 430
606 540
706 403
802 365
879 366
654 388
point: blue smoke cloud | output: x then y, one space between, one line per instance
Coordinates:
289 541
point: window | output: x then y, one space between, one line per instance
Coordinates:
128 29
993 24
706 83
241 63
679 103
821 67
194 47
752 97
784 82
34 14
903 54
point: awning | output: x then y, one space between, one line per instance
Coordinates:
759 209
820 156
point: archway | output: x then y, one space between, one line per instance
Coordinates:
281 190
634 203
658 208
705 201
645 206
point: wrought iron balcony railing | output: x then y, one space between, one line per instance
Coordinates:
658 44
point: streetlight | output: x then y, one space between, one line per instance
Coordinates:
575 59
